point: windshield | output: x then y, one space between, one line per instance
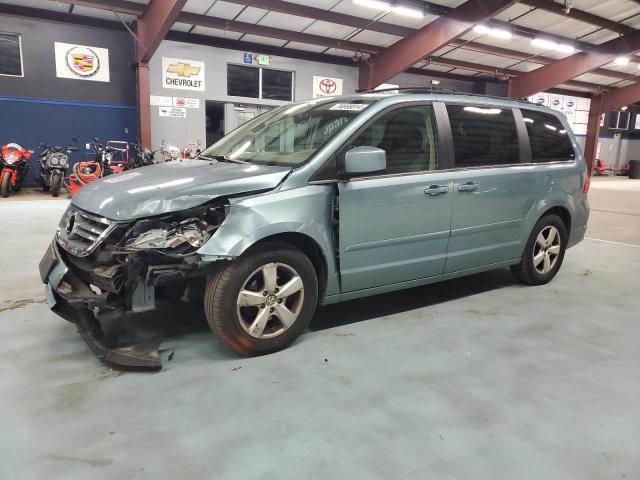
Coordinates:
290 135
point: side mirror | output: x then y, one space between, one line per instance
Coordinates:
365 160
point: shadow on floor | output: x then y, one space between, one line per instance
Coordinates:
403 301
174 321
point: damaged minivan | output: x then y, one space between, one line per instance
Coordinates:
319 202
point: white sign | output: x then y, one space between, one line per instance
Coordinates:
81 62
186 102
326 87
555 102
173 112
540 99
386 86
182 74
160 101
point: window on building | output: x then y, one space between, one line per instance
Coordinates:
483 135
10 54
243 81
408 136
548 138
277 84
256 82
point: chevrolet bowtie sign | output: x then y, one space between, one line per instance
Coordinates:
182 74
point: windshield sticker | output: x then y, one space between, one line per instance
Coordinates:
349 107
335 125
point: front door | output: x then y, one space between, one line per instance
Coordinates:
394 226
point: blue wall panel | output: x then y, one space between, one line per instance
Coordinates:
31 121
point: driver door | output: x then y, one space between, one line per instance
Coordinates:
394 226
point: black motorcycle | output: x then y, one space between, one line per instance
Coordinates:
144 156
54 162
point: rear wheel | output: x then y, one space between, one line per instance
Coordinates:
56 181
544 252
263 301
5 184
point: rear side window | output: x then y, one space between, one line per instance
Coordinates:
548 138
483 136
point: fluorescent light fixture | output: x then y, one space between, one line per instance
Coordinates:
624 108
621 61
387 7
492 32
484 111
435 82
551 45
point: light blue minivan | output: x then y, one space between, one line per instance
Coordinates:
318 202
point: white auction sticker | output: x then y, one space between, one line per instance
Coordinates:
349 107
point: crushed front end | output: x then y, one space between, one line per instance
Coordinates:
97 270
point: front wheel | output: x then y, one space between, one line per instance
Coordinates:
544 252
5 184
263 301
56 181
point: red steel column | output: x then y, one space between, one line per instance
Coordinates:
144 104
593 132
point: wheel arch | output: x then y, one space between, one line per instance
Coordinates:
306 245
561 212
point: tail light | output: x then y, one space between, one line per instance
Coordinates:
587 183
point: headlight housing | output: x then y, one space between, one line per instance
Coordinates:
180 233
54 160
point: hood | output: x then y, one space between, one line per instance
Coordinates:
173 186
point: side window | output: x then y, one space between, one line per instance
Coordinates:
483 136
548 138
408 135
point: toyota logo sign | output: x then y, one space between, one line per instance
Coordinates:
327 86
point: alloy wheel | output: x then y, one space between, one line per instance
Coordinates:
270 300
546 250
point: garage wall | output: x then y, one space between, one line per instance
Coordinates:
41 107
179 131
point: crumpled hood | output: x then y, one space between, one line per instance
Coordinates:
173 186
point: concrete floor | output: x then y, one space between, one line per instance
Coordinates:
472 378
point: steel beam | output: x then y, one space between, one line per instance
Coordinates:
593 132
580 15
120 6
563 70
406 52
154 23
621 97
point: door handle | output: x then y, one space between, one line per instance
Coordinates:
435 190
468 187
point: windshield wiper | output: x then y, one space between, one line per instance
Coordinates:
221 158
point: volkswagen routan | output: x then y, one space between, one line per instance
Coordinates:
318 202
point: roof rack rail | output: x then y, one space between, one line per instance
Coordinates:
442 90
409 89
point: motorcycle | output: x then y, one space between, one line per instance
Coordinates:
54 162
15 167
144 156
106 162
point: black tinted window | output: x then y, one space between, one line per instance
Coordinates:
408 136
277 84
483 135
548 138
243 81
10 59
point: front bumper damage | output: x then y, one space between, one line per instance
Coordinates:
97 297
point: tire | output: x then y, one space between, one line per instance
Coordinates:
260 314
56 181
543 255
5 184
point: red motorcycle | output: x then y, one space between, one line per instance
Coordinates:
14 162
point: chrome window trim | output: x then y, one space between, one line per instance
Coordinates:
447 170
